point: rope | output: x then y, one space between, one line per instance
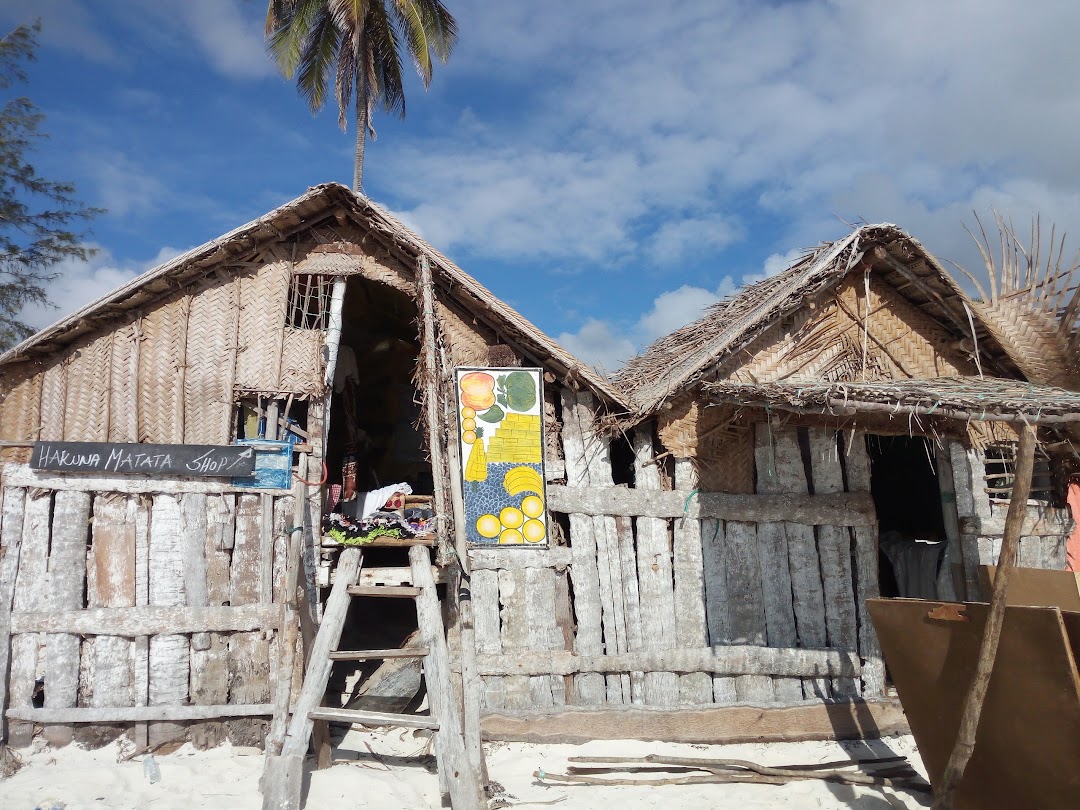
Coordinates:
325 475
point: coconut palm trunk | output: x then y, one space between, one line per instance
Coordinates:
361 145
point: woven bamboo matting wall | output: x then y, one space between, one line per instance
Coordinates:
19 410
210 362
301 361
721 444
124 392
826 342
263 300
161 361
87 412
53 401
171 373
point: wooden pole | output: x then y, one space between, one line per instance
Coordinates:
1010 545
429 378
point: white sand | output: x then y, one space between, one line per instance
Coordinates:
228 778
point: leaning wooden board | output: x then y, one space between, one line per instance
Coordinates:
1028 741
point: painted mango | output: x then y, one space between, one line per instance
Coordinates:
477 390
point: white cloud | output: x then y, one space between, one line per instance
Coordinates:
599 345
607 346
80 283
681 118
231 37
64 23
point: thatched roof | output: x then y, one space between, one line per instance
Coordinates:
327 202
967 398
687 355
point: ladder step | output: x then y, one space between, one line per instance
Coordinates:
399 591
362 718
374 655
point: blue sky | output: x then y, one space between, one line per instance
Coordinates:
607 167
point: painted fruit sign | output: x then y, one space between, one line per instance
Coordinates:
501 435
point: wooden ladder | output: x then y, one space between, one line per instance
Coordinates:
283 779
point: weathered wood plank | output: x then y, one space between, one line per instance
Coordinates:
834 549
138 714
113 586
589 689
542 633
515 633
836 509
485 600
655 576
775 569
746 613
714 567
812 720
29 595
210 666
867 577
249 653
631 601
11 531
608 559
690 629
484 559
170 658
734 660
140 734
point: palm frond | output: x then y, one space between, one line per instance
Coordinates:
316 60
289 24
411 22
385 62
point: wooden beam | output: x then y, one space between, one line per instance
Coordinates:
810 720
21 475
488 559
742 659
834 509
146 620
139 714
362 718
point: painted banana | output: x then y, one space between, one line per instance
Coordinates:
522 479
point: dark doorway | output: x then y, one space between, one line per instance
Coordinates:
907 497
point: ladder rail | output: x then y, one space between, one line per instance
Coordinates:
284 773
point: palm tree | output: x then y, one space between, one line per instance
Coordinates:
357 44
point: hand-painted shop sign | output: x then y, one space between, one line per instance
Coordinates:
144 459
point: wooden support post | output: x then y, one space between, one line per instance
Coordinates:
289 623
973 703
429 378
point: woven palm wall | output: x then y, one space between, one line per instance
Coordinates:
826 339
170 373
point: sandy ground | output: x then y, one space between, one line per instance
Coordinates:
373 772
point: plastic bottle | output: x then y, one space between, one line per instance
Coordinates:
150 769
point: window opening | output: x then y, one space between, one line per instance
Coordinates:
309 301
1000 469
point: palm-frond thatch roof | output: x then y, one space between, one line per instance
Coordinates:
687 355
324 203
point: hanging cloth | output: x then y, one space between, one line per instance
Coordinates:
1072 545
